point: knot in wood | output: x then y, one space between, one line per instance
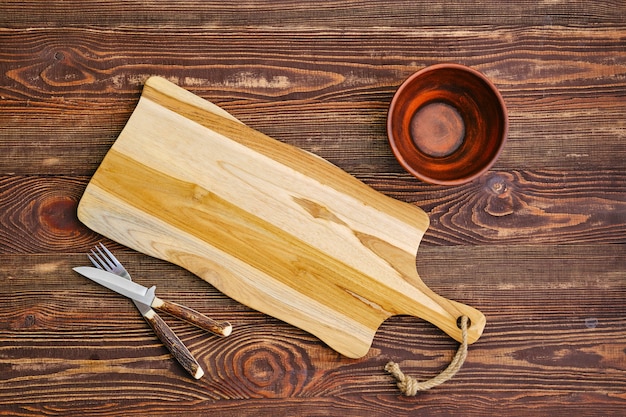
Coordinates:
57 215
66 69
497 184
500 198
29 320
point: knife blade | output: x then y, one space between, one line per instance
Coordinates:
118 284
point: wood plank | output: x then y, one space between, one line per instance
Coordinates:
70 91
38 213
554 342
352 14
79 63
520 207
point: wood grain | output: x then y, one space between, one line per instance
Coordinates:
335 13
581 363
39 213
539 207
73 90
537 244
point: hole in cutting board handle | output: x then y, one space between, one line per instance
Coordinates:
458 322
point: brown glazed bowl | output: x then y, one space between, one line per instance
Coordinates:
447 124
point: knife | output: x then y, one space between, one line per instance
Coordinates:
147 296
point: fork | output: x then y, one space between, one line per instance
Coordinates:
103 259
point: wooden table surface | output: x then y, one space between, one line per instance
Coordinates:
538 243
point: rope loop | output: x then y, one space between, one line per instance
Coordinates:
409 386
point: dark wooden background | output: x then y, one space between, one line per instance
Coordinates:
538 244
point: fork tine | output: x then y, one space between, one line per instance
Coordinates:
99 262
94 262
103 258
111 257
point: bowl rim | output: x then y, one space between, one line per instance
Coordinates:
394 102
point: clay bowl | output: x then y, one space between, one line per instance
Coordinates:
447 124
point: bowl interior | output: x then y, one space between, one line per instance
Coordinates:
447 124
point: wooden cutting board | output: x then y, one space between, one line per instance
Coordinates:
270 225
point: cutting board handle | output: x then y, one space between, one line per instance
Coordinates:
447 314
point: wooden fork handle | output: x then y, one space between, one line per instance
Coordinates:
174 344
193 317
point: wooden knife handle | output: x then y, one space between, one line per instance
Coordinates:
193 317
174 344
